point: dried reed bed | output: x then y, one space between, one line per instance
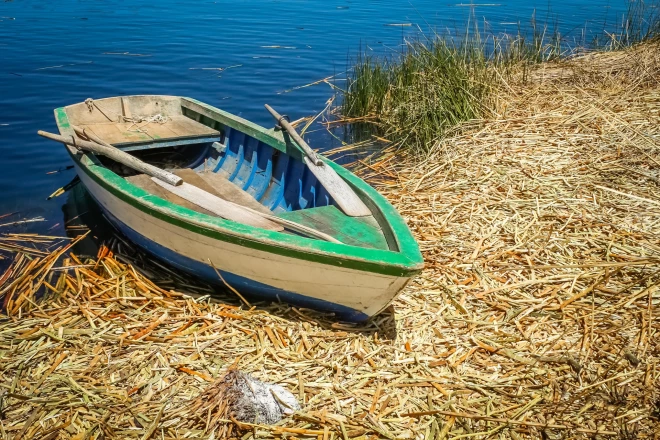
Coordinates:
541 229
536 317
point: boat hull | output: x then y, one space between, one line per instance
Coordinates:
352 294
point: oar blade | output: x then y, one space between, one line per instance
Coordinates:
341 192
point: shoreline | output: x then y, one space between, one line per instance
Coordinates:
537 313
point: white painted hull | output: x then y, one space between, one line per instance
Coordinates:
364 292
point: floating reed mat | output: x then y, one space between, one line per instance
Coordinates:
537 315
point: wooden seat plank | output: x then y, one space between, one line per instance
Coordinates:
115 134
185 126
177 127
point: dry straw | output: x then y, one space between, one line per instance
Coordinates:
537 315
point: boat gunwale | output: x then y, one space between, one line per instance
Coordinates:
407 261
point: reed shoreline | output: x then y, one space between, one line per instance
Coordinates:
536 316
429 87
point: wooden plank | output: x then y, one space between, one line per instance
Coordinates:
302 229
168 143
177 127
193 178
220 207
154 130
116 134
185 126
228 191
124 107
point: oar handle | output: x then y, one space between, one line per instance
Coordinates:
311 155
117 155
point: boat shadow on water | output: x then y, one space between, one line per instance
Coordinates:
82 215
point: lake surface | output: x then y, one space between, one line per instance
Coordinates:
56 53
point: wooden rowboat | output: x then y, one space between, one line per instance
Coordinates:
294 243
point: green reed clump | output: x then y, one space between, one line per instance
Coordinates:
429 89
416 96
433 85
641 22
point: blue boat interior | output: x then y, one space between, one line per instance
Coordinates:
276 181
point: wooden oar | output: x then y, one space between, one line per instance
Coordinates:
341 192
116 155
221 207
217 205
172 182
81 132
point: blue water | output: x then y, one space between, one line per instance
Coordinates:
56 53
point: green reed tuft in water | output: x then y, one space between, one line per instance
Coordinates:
415 97
640 23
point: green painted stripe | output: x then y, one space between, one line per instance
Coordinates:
406 242
405 263
62 120
274 138
269 137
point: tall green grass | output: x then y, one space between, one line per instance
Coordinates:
428 89
640 23
416 96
